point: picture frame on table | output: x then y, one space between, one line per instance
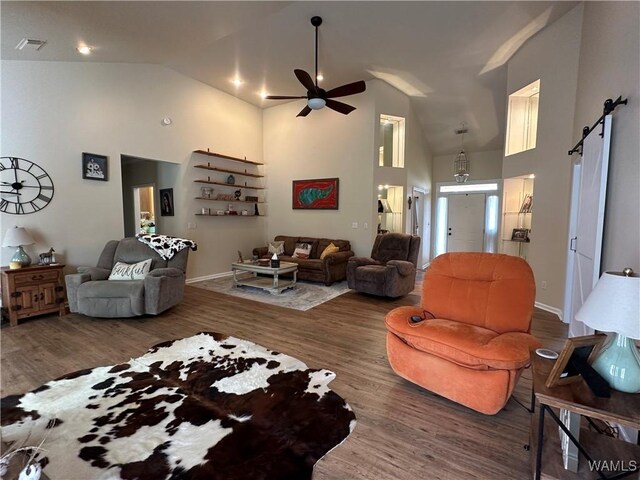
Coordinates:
95 167
520 235
575 349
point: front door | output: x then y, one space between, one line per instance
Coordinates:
465 229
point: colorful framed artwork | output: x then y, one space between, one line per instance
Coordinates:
317 194
94 167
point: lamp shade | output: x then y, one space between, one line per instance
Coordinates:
614 305
16 237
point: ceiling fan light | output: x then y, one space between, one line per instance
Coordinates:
316 103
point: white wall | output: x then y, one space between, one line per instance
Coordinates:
551 56
54 111
327 144
609 66
484 166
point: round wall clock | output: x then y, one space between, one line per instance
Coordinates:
24 186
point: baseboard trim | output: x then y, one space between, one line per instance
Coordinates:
550 309
208 277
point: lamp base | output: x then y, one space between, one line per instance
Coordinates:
20 258
619 364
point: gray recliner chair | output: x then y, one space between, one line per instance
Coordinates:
391 270
91 293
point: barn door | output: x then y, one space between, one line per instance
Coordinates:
586 224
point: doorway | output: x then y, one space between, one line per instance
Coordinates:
467 217
144 217
420 223
142 181
465 230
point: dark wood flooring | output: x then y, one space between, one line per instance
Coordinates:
403 431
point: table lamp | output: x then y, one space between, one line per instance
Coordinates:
614 306
17 237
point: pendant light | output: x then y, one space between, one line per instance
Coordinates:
461 162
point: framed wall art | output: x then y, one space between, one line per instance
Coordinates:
317 194
95 167
166 202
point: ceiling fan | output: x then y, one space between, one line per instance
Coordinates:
317 97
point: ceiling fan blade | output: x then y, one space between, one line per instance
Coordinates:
348 89
340 107
281 97
305 79
304 112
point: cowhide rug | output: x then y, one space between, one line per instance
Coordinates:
203 407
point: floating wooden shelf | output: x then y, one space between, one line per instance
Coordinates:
217 215
226 201
235 172
229 184
224 169
219 155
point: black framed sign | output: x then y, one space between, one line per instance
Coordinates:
166 202
94 167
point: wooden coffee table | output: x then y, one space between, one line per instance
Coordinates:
269 280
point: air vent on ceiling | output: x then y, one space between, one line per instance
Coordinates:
30 44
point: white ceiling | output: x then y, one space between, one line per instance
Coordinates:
452 54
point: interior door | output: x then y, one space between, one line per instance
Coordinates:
585 242
419 225
465 225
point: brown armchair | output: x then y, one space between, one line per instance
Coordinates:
391 270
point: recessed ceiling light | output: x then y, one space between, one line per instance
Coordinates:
237 82
84 50
263 94
319 77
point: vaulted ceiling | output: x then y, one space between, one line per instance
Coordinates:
449 56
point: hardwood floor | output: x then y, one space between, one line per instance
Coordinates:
403 431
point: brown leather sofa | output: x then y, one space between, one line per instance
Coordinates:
332 268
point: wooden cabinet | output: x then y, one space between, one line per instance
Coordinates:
223 173
31 291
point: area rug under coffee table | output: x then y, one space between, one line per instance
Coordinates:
207 406
304 296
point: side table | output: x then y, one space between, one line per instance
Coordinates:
599 452
31 291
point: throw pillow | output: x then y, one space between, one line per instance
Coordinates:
276 247
302 251
331 248
124 271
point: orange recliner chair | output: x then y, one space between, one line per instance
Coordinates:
474 340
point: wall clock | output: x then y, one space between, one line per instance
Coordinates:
24 186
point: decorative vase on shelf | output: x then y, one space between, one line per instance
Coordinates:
231 180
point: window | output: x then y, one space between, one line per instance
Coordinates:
522 119
391 148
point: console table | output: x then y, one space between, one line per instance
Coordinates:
31 291
620 408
